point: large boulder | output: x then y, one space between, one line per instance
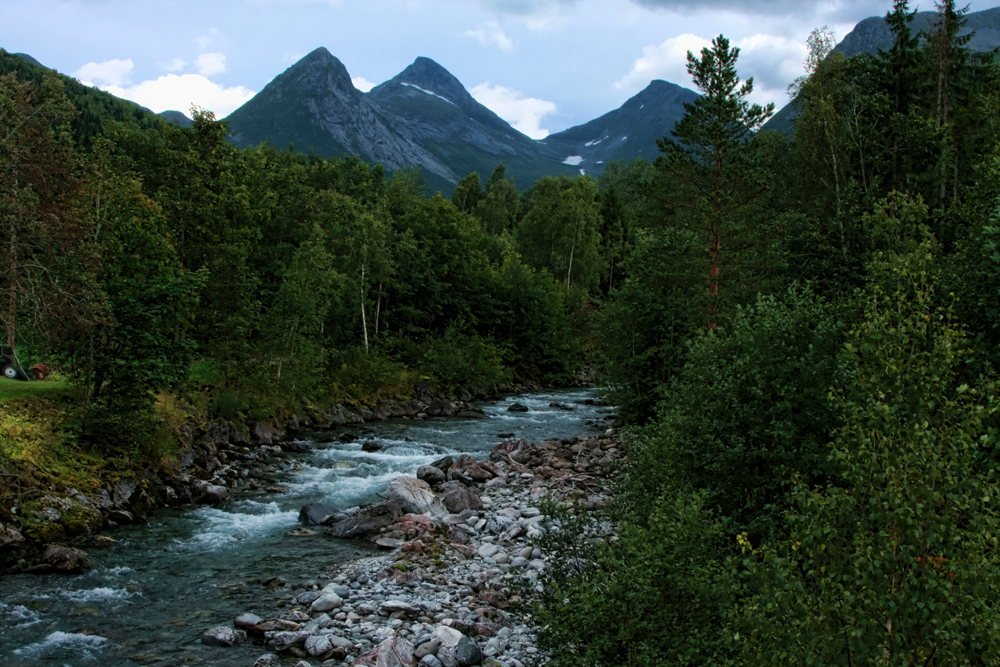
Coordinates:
369 520
9 536
314 514
415 496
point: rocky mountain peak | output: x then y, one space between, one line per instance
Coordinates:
322 69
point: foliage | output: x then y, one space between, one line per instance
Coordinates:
748 412
663 580
896 564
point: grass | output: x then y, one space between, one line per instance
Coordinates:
51 388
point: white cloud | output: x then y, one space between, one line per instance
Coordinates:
107 73
524 113
183 91
772 61
491 34
211 63
175 65
362 84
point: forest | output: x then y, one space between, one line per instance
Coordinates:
799 332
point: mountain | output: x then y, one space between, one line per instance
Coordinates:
873 34
426 104
627 132
425 117
176 117
314 106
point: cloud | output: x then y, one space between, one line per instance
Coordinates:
175 65
362 84
107 73
772 61
538 15
856 8
211 63
524 113
491 34
182 91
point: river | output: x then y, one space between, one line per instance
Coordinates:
151 595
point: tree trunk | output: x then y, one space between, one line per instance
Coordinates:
364 321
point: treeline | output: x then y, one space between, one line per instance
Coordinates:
805 339
149 257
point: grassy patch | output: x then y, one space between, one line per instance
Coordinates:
51 388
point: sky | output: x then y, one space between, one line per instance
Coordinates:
542 65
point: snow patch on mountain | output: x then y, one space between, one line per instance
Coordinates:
573 160
429 92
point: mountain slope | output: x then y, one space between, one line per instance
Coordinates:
627 132
314 105
427 105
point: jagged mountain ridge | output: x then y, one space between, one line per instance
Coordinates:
873 34
314 105
425 117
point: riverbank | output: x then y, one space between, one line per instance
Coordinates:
61 514
456 588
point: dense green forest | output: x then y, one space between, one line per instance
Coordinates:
804 332
800 332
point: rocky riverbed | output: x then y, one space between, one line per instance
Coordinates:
459 570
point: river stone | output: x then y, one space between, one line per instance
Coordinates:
430 474
443 464
458 498
327 602
313 514
223 636
415 496
430 660
308 597
487 550
518 407
392 606
467 652
318 646
393 652
427 648
211 494
268 660
285 640
369 520
449 637
9 536
65 559
247 621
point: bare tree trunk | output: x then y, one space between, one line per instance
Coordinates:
364 321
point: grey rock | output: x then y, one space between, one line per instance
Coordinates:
431 474
247 621
430 660
467 652
268 660
427 648
415 496
393 652
314 514
458 499
369 520
223 636
318 646
287 639
518 407
327 602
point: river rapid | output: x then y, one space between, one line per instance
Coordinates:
150 596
